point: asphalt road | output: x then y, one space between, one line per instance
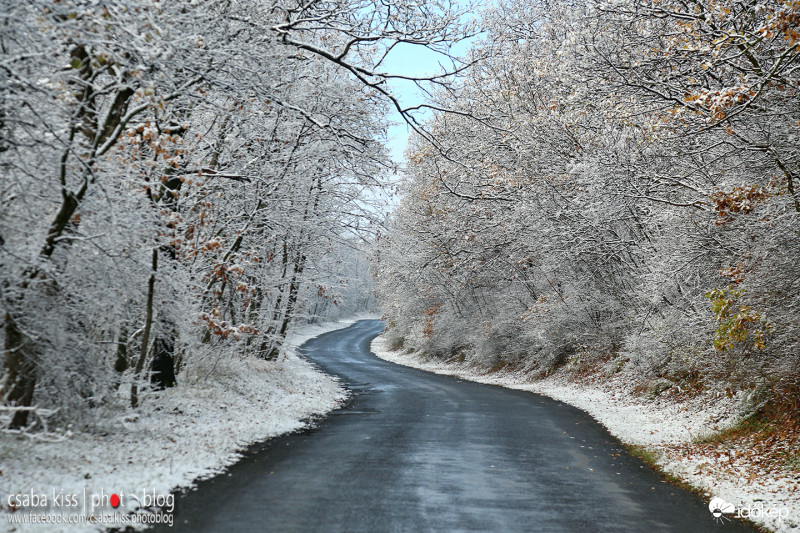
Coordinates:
415 451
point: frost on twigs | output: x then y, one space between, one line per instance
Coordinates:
183 182
632 202
38 428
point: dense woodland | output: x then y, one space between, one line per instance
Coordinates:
619 186
604 181
183 182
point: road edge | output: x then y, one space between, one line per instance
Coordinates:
670 468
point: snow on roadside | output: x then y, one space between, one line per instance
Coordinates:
660 426
194 432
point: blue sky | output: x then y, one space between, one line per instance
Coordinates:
411 60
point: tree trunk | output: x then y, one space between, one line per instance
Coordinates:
266 351
294 287
121 363
148 323
20 372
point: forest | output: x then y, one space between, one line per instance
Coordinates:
182 182
603 182
616 188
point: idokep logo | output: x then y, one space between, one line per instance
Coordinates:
720 508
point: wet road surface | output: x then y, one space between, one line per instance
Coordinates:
414 451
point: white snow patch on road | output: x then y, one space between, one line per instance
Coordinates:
192 432
656 425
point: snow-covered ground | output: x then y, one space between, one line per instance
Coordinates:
661 426
191 433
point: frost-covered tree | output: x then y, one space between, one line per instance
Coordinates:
184 179
628 192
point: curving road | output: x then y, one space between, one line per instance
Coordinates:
415 451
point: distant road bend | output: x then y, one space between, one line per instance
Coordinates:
415 451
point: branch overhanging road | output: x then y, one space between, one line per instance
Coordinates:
414 451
